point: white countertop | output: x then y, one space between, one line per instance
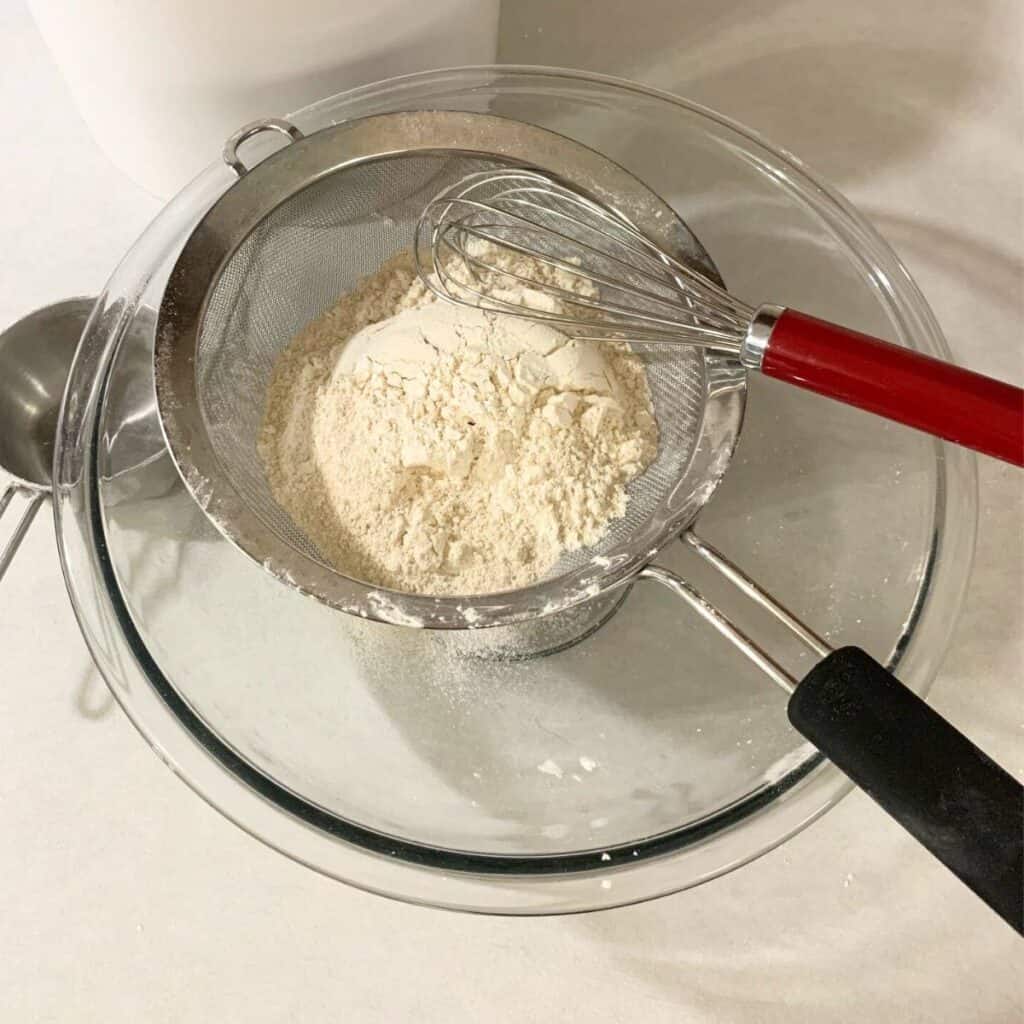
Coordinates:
126 898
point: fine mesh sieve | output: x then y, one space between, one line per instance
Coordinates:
303 228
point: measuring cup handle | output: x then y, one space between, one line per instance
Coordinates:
949 795
14 542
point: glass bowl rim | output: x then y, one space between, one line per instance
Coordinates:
382 871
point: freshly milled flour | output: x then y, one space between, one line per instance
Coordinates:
437 449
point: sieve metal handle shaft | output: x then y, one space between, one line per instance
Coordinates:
939 398
36 499
957 802
946 792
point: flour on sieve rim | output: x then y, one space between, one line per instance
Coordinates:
437 449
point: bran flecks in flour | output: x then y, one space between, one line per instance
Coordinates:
438 449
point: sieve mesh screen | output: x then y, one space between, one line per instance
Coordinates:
316 246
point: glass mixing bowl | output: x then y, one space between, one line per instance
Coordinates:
649 757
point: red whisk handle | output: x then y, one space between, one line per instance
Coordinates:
897 383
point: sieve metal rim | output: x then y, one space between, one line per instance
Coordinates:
310 159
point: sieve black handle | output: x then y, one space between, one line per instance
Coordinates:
956 801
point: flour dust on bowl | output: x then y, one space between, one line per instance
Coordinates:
645 758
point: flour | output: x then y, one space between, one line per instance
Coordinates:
438 449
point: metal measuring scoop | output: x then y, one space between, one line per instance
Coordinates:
35 360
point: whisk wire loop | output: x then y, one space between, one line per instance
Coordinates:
630 288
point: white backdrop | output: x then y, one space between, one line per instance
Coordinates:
126 898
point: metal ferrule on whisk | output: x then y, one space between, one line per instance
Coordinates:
759 333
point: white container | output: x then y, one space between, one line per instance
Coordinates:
162 83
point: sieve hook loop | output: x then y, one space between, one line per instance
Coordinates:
246 132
